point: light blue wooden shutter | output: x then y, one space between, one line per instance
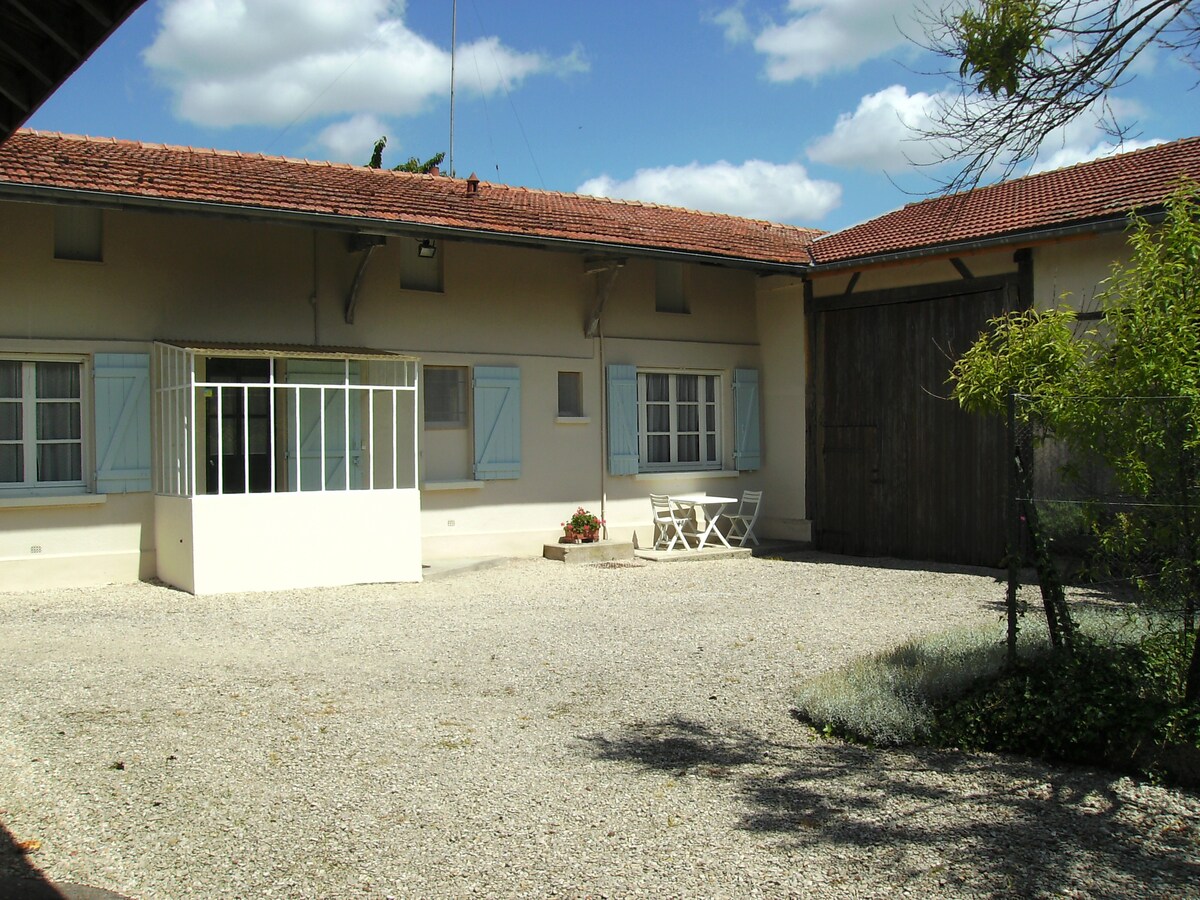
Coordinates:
622 420
122 382
747 449
497 422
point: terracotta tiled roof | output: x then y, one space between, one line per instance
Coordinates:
287 186
1092 191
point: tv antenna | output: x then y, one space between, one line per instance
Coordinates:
453 42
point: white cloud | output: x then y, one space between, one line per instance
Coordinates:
351 140
883 134
235 62
1085 138
733 22
823 36
880 133
1070 153
755 189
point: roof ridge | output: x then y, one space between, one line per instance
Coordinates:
1084 163
645 204
494 185
198 151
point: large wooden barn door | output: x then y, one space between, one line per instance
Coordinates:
900 470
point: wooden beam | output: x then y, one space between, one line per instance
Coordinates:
961 267
34 67
48 29
912 294
607 270
102 17
15 90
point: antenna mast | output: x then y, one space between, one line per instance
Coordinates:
453 42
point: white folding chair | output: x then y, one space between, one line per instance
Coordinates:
668 526
741 523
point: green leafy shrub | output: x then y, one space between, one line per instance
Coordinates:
1114 702
1096 705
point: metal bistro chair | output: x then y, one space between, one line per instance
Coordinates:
741 523
668 526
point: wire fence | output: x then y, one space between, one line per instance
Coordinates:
1124 517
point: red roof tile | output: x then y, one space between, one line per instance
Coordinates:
1092 191
275 184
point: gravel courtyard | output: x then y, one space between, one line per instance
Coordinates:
532 729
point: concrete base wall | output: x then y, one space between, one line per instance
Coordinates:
263 542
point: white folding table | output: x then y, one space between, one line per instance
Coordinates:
713 508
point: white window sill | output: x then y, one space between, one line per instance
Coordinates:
680 476
572 420
51 500
452 485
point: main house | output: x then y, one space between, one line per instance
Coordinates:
233 371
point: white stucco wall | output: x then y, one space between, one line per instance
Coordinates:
172 277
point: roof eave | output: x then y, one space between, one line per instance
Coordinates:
1037 235
33 193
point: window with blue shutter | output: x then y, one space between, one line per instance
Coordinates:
123 453
497 396
747 452
622 387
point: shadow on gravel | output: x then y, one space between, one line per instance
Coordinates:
19 878
984 825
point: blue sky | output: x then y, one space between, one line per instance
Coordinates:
789 111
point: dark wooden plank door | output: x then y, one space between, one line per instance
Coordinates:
901 470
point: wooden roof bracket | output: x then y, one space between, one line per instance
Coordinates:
370 243
607 269
961 267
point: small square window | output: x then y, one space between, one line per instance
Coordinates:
79 233
570 395
445 397
669 296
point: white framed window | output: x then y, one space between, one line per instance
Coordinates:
41 424
445 396
679 420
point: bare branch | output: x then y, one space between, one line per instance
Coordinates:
1003 109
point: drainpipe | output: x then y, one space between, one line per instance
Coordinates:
607 270
603 431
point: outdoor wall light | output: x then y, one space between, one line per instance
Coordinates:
426 249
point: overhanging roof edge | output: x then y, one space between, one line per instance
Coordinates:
1115 222
34 193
